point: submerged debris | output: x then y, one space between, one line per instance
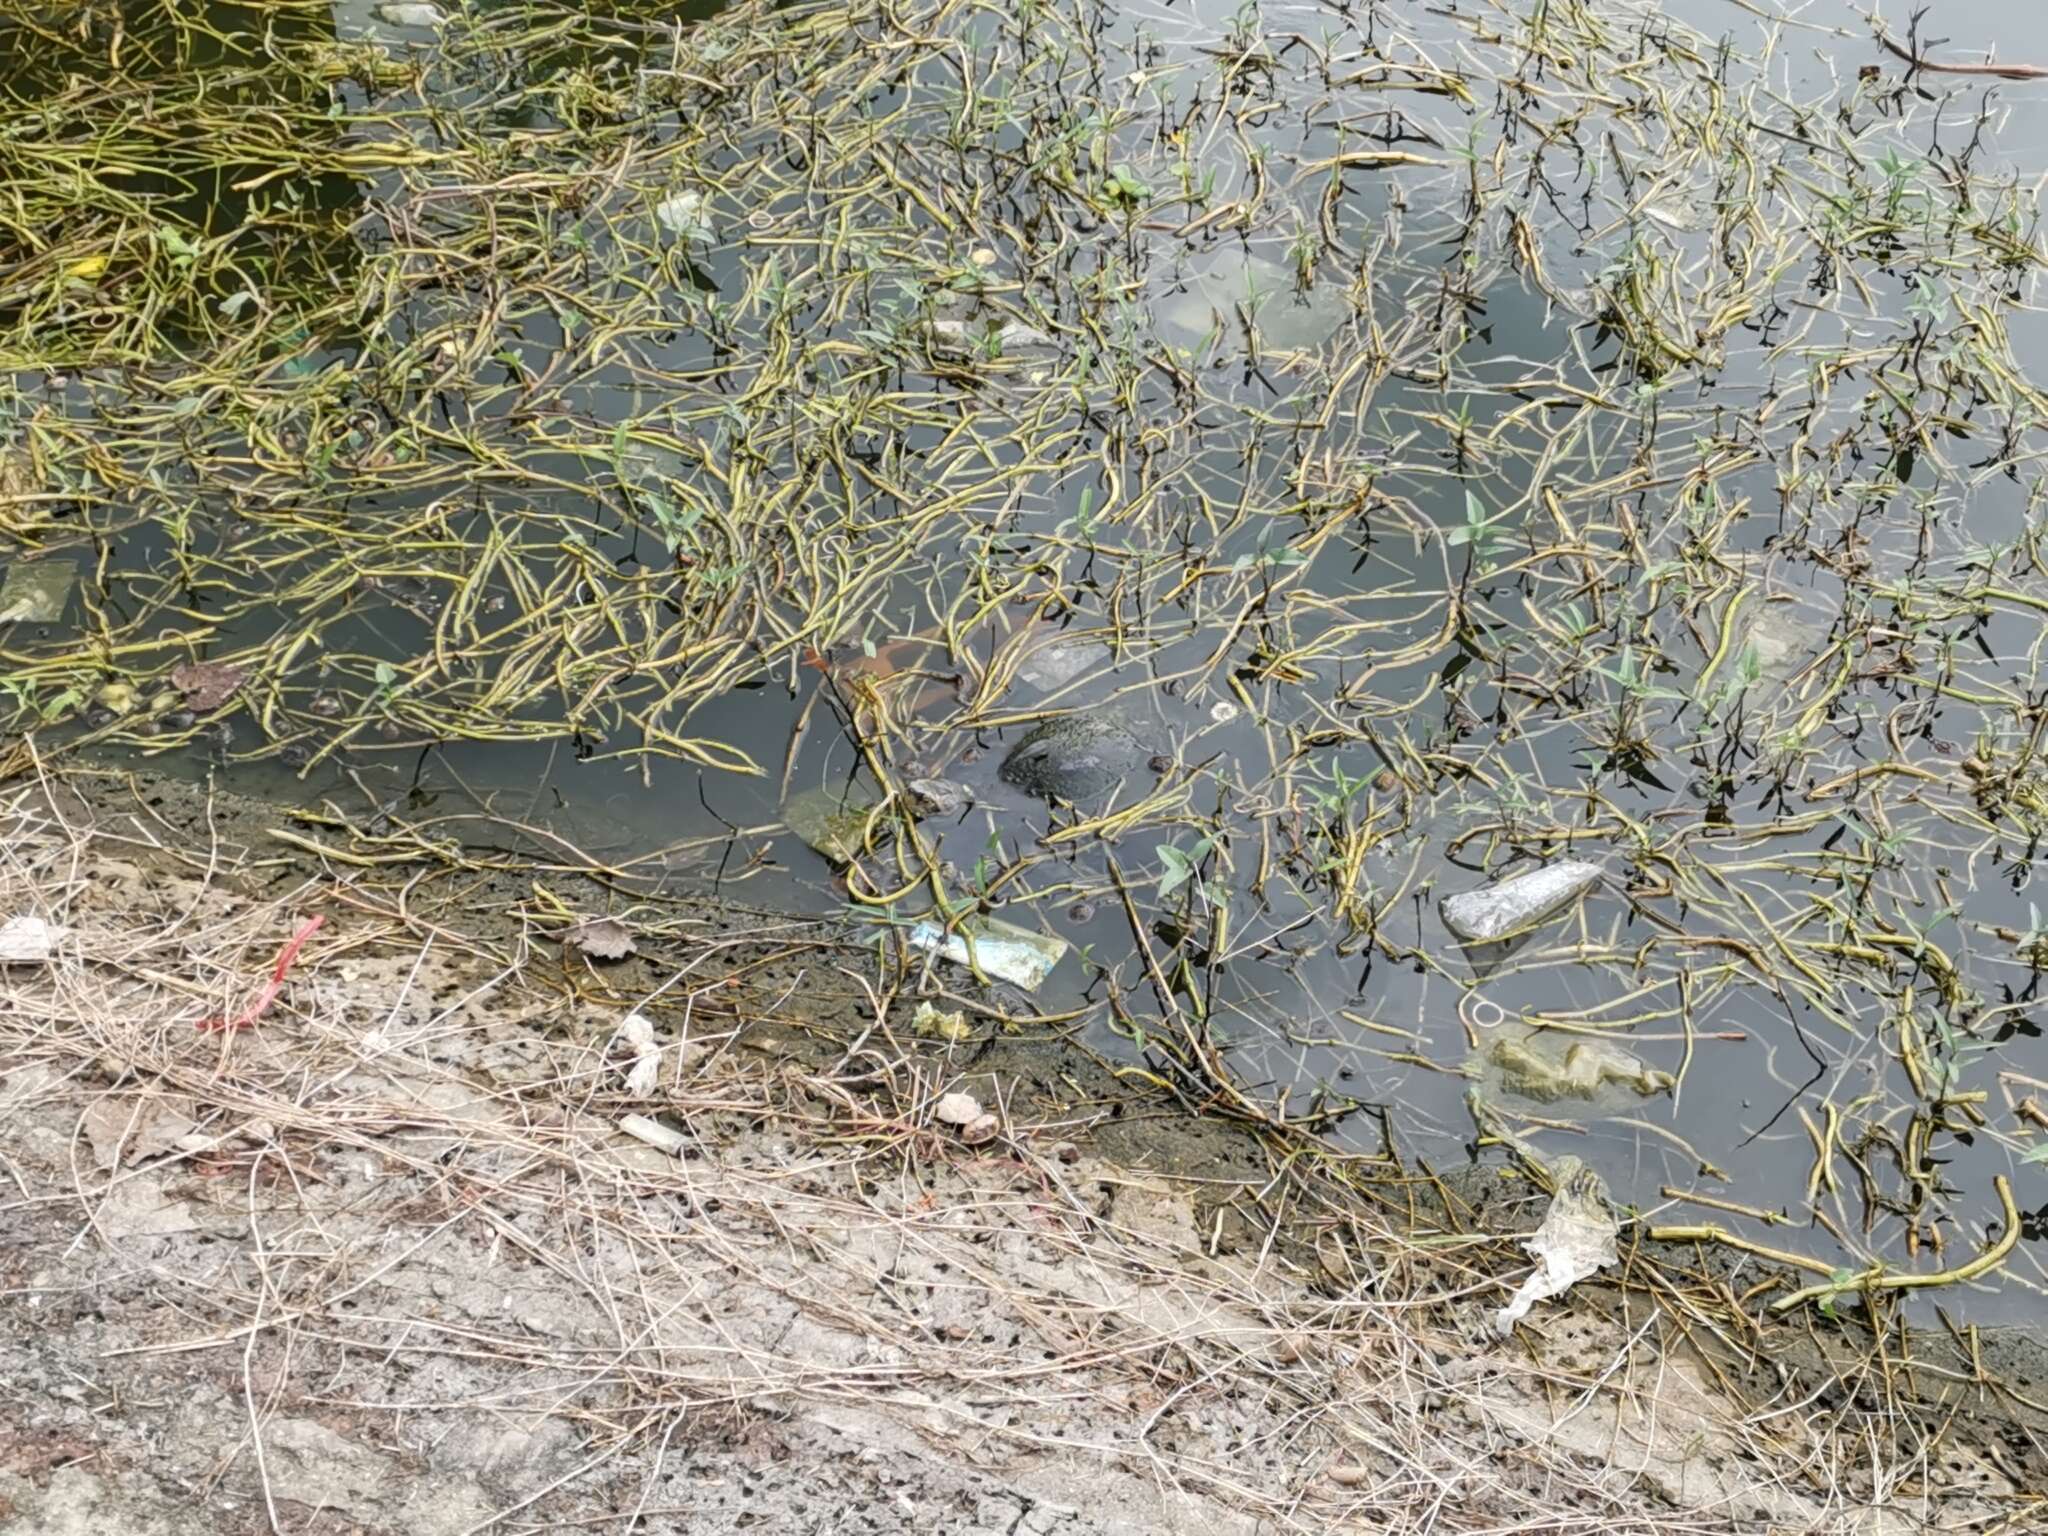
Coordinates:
1050 664
839 823
37 591
684 214
410 13
1550 1070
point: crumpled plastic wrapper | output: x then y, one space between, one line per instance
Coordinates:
1518 903
1576 1239
638 1031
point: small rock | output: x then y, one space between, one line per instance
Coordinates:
207 685
957 1109
1075 757
983 1128
938 797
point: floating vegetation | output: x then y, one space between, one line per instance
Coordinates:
1383 460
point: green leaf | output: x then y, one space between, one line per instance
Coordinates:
1125 184
1178 869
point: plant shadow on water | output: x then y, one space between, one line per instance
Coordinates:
1442 453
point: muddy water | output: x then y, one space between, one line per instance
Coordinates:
1400 760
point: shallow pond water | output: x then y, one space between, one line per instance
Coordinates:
1455 439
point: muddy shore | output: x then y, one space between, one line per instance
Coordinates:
384 1261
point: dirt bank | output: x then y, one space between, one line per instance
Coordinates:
386 1262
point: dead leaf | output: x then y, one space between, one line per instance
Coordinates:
603 939
207 684
133 1130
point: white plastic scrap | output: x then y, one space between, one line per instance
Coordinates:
685 215
1576 1238
27 940
637 1030
1517 903
1002 950
655 1134
412 15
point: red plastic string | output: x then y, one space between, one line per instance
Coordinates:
285 957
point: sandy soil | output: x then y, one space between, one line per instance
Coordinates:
386 1261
